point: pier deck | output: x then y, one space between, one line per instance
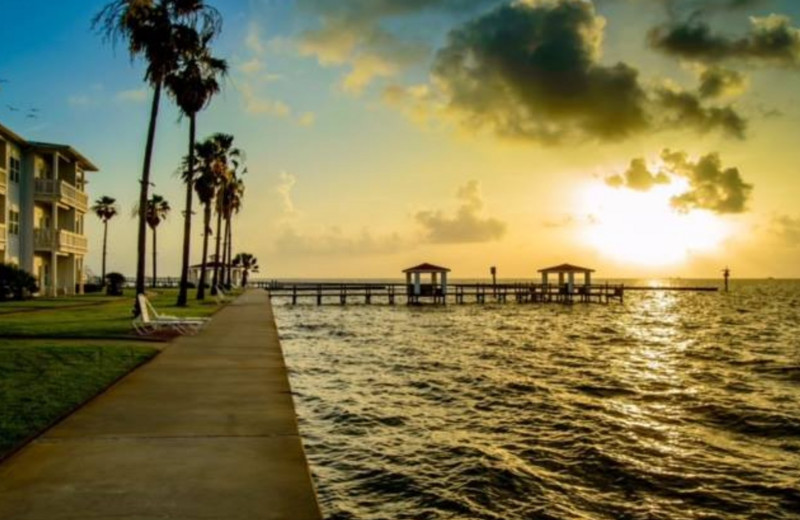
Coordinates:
206 430
459 293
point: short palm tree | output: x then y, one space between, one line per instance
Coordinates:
148 27
105 208
157 211
210 169
230 203
192 85
248 263
231 159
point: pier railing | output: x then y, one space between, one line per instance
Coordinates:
459 293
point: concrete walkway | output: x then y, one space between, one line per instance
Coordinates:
205 431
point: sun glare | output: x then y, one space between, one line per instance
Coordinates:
642 227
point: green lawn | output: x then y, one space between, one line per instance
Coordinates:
90 316
56 354
42 382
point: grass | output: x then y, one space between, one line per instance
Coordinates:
90 316
57 353
42 382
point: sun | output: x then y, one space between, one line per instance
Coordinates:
642 228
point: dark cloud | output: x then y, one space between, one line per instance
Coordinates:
466 226
638 177
718 82
771 40
685 109
532 71
711 187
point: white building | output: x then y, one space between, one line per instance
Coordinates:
43 204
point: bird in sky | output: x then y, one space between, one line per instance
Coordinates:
12 108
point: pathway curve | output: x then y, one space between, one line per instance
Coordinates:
205 431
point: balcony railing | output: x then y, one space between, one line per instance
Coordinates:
60 241
2 234
63 192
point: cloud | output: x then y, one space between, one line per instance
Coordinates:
788 228
570 221
682 109
718 82
134 95
356 34
638 177
532 70
333 242
284 188
711 187
258 105
467 225
772 40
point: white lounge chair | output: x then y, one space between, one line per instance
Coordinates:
221 297
150 321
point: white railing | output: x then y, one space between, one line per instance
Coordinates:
62 241
2 233
70 242
74 197
63 191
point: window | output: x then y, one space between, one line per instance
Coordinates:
14 169
13 222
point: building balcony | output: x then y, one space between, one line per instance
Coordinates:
60 241
2 237
3 180
61 191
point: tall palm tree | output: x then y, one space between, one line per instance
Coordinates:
148 27
210 169
193 85
248 263
105 208
157 211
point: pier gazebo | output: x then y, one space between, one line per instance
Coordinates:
436 289
566 274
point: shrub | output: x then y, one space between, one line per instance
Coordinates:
16 283
116 282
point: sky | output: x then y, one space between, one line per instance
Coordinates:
643 138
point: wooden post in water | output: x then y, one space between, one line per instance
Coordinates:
726 273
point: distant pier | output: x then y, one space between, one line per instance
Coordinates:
457 293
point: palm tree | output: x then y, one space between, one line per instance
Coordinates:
192 85
148 27
210 169
157 211
230 202
248 263
105 208
231 158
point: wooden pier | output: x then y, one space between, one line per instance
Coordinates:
458 293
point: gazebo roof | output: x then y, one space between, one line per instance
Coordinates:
566 268
426 268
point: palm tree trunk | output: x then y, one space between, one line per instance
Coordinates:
230 250
226 253
216 255
154 259
201 286
187 220
144 192
105 250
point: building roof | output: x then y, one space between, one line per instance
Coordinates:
426 268
211 265
67 150
566 268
